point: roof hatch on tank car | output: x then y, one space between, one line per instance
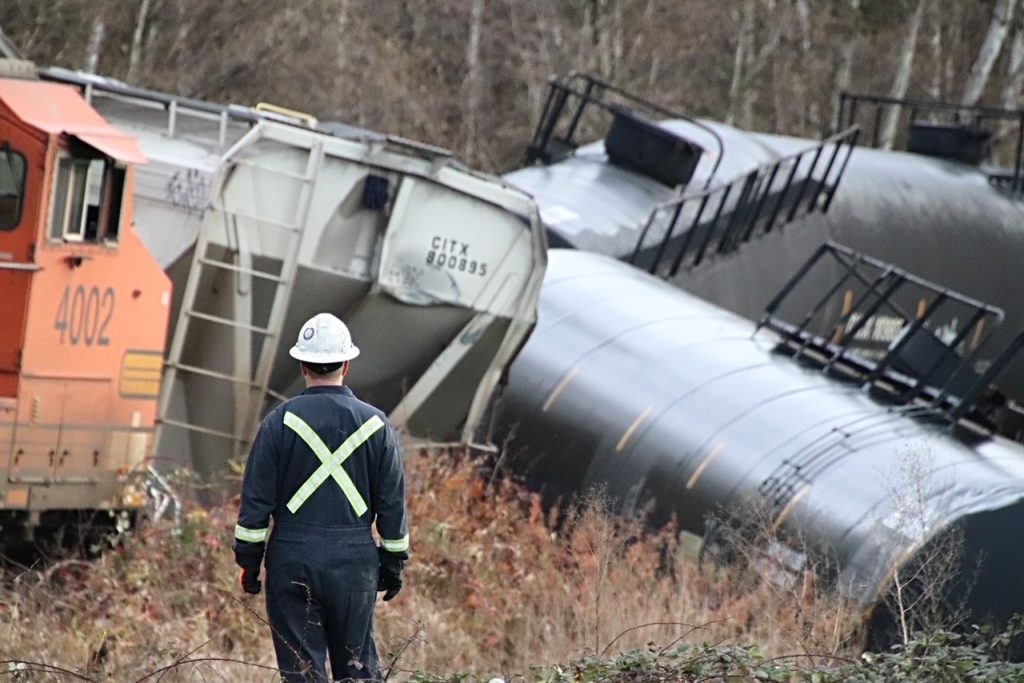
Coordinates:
640 144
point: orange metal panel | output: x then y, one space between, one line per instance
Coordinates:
55 109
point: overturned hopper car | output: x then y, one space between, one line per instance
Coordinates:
264 216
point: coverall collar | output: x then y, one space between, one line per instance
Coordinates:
344 390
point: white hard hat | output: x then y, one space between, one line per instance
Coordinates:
324 339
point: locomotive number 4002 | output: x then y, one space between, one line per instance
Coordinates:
84 314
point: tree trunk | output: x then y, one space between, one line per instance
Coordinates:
95 47
135 57
903 71
473 80
744 46
1005 146
1002 16
844 60
935 90
1013 85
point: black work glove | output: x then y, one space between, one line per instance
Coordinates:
390 580
249 556
250 580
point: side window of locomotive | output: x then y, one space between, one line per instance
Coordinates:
12 187
87 200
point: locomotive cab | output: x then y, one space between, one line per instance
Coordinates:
85 310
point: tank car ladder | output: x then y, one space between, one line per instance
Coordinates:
251 385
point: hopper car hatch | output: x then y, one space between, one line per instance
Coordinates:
85 311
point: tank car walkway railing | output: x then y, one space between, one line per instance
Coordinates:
681 233
907 340
581 106
968 134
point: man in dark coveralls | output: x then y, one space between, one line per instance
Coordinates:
325 466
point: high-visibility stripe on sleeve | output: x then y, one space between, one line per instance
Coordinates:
398 545
250 535
330 462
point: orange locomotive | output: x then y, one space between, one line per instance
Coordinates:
83 311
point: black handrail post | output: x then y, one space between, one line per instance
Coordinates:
782 195
842 170
917 324
803 186
546 127
1001 361
757 197
947 352
699 255
668 236
813 201
773 305
643 236
877 124
688 237
585 99
738 212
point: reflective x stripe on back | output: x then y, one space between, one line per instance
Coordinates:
330 463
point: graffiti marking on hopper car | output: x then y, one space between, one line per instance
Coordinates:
454 255
84 315
187 189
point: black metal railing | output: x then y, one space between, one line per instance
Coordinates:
971 134
567 117
894 333
680 233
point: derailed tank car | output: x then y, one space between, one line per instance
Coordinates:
758 205
677 408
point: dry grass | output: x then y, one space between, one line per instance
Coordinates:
491 590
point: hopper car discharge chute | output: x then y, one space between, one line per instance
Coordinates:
86 310
264 217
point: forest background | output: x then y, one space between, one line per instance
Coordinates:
470 75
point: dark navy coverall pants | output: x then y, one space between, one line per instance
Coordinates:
322 576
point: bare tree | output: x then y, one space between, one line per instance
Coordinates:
474 78
135 59
998 27
92 52
905 68
1013 82
846 51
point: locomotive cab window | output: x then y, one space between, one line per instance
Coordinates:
12 187
87 198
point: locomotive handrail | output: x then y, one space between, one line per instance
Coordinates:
593 91
977 115
753 203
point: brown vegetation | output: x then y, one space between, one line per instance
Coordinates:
492 589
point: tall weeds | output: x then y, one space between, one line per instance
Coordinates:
495 586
